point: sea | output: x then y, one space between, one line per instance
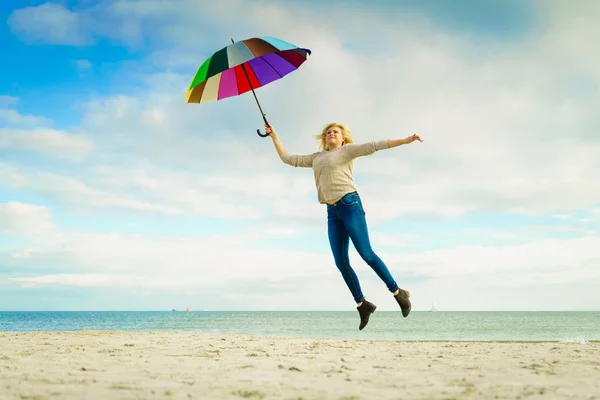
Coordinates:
578 327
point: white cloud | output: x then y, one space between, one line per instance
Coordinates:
76 193
123 21
21 219
571 257
57 143
10 117
391 240
6 101
83 64
233 261
503 154
164 263
48 23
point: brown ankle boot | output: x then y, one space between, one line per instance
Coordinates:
403 301
365 310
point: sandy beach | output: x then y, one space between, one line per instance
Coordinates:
138 365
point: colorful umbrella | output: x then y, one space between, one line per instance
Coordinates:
243 66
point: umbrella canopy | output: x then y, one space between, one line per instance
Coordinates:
243 66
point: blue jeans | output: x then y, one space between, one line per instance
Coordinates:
346 220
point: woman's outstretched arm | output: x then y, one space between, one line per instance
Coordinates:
364 149
400 142
290 159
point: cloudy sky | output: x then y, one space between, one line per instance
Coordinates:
117 195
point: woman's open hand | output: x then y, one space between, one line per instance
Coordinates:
412 138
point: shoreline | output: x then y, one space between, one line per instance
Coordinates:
116 364
292 337
391 310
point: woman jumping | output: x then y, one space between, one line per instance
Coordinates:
333 167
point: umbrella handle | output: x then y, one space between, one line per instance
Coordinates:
266 123
260 134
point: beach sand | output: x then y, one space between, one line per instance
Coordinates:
139 365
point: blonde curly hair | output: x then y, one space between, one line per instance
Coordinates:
346 135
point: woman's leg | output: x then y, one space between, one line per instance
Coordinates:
356 226
339 241
358 232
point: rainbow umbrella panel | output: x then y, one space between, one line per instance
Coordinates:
244 66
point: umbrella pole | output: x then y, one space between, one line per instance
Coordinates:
255 98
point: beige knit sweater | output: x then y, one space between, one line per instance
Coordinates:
333 169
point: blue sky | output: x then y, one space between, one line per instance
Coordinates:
116 194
